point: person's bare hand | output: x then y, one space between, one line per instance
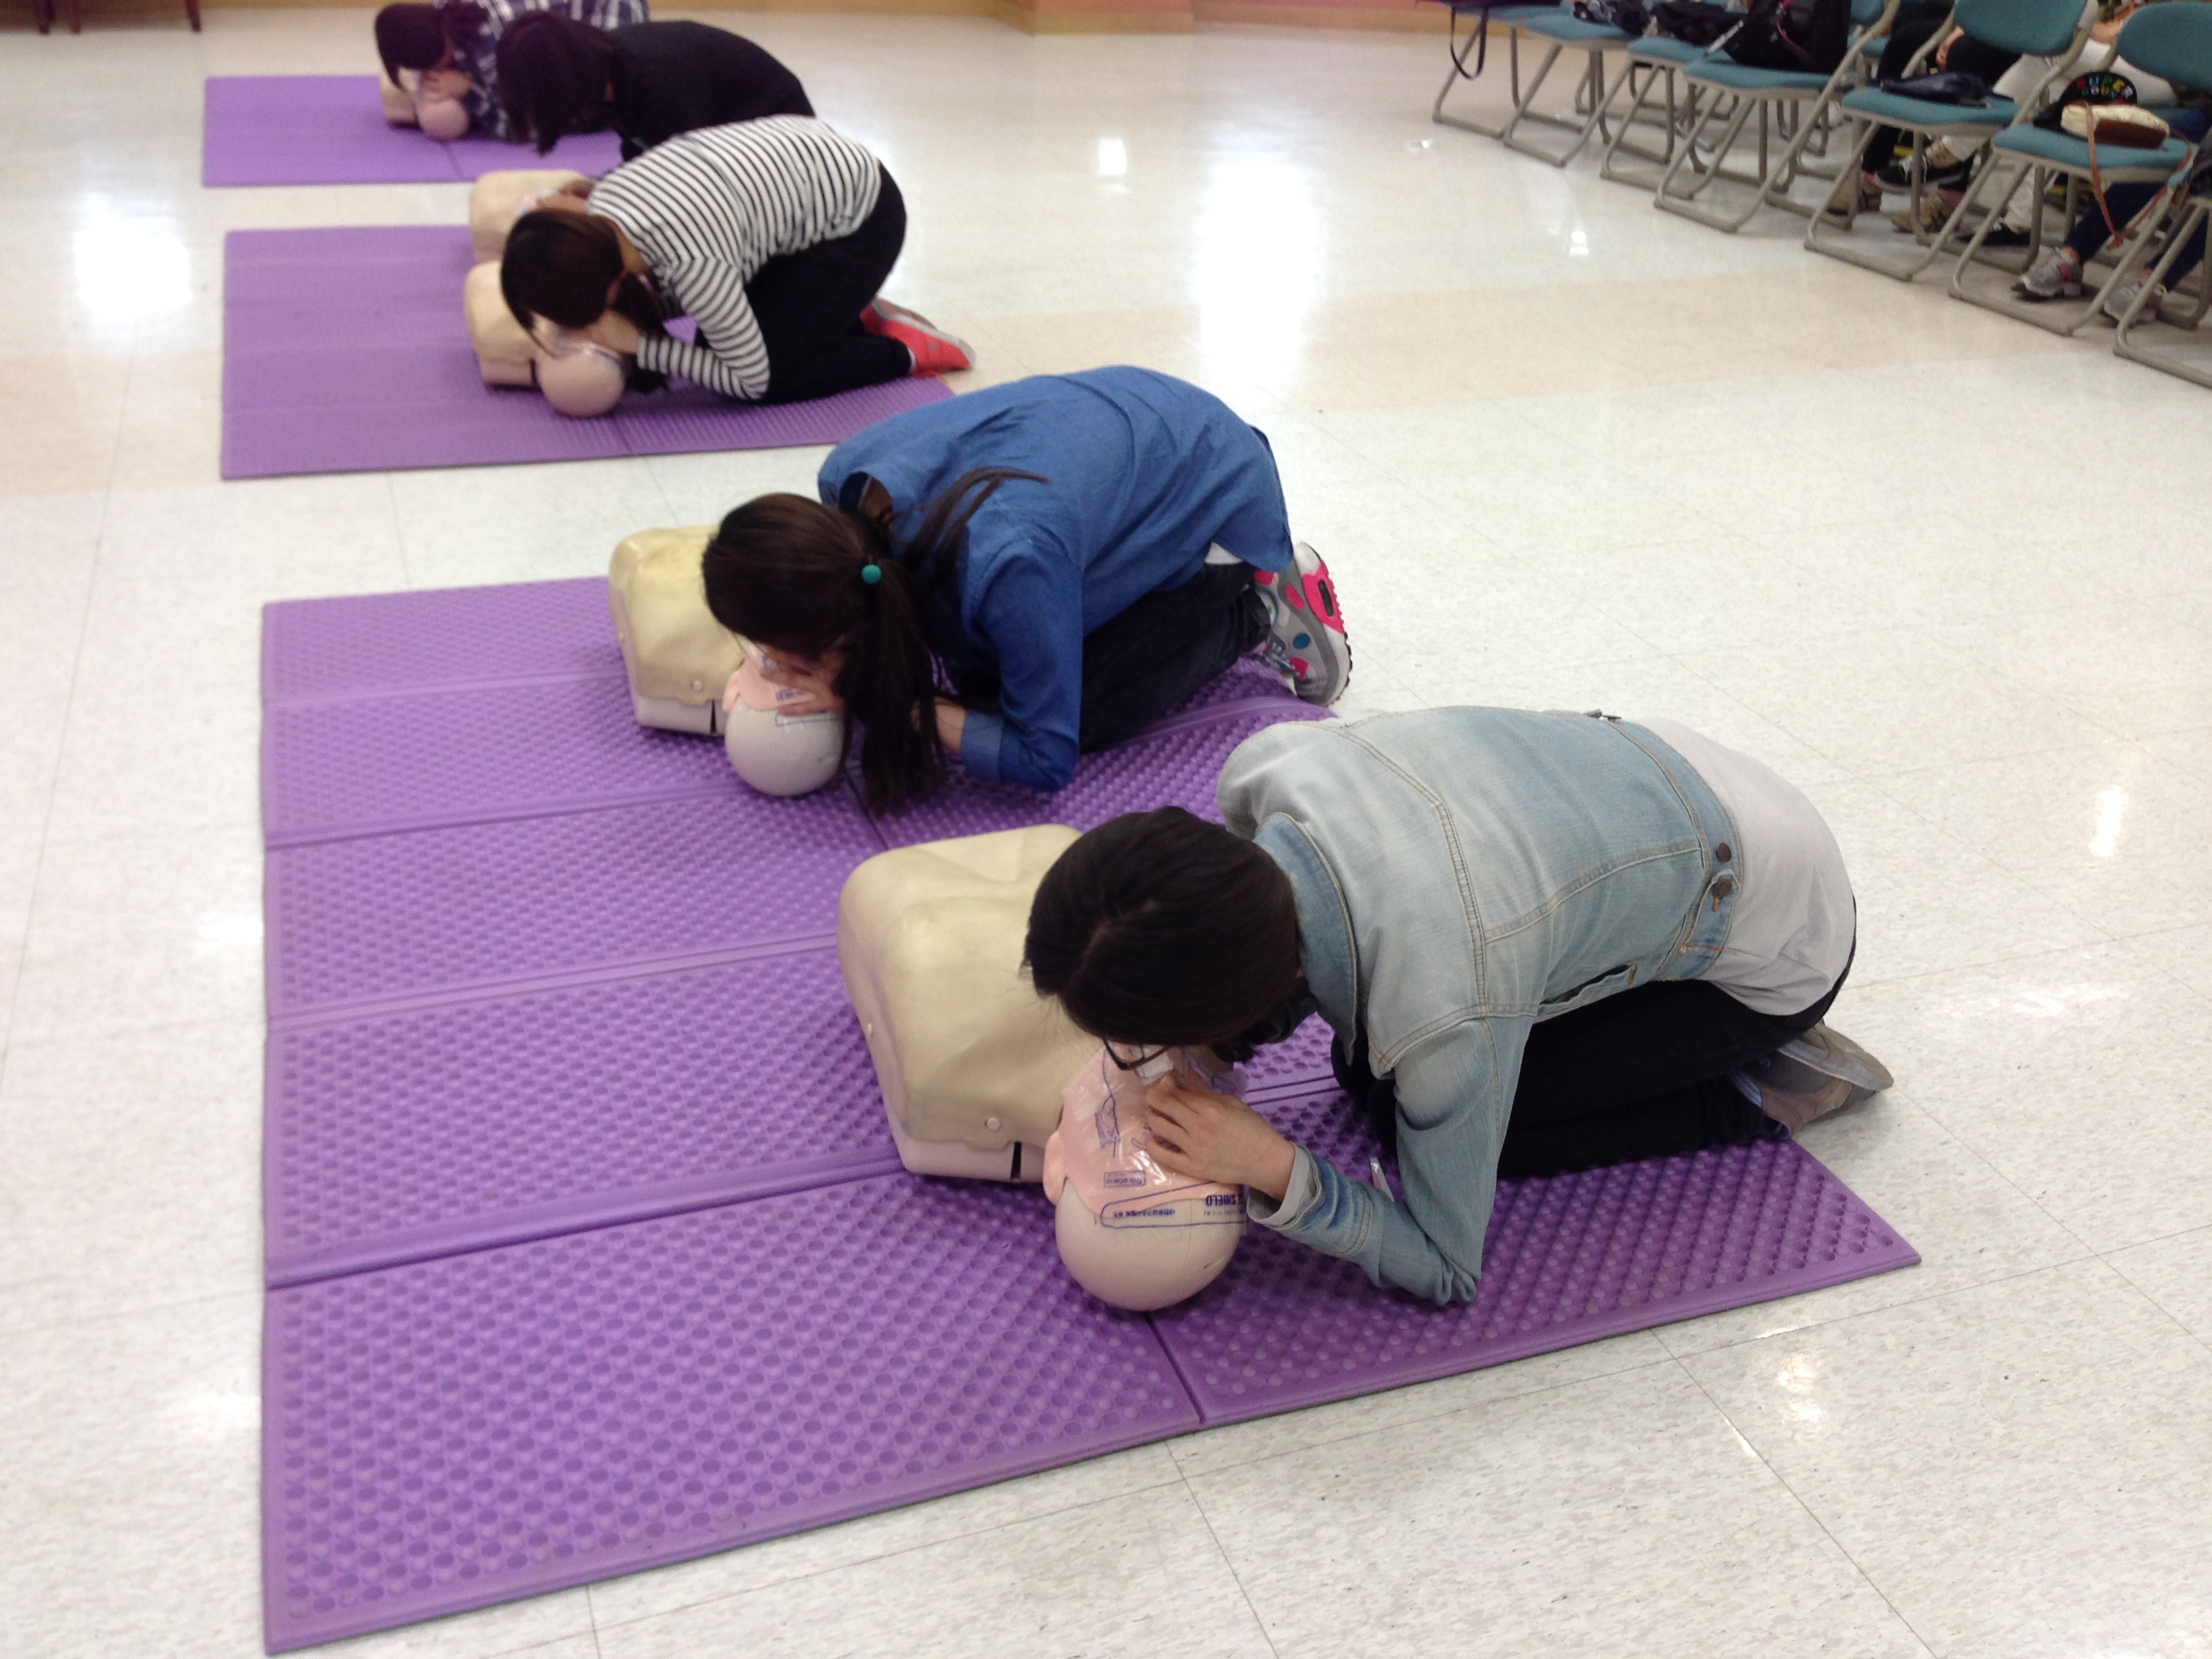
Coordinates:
1943 51
561 201
442 83
1210 1137
579 188
817 680
615 332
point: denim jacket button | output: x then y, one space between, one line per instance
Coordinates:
1723 887
1723 854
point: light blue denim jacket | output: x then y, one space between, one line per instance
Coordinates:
1462 873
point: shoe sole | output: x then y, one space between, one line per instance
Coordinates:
1321 656
915 323
1836 1055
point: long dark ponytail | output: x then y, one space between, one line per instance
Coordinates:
791 575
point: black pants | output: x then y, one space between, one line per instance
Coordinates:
1138 665
1968 57
808 306
1643 1074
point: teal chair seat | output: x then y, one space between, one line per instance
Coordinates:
1741 77
2064 149
1554 23
1661 49
1901 112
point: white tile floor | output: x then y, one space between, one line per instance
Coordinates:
1949 573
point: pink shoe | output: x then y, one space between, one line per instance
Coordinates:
1306 627
935 351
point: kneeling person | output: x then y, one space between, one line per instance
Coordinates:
1545 942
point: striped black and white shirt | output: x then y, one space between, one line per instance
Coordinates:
478 59
708 208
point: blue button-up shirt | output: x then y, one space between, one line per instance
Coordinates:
1144 473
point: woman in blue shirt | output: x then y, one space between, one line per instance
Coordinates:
1075 553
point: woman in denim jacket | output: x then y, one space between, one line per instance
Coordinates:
1544 942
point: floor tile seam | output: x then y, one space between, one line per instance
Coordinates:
1229 1561
554 1226
2197 1338
1810 1513
892 1554
54 772
358 1010
1418 1418
279 840
1986 963
1959 1138
283 701
1938 1295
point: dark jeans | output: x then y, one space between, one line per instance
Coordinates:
2089 233
1968 57
808 306
1138 665
1643 1074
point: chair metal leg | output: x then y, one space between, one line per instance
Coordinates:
2125 343
1838 245
1685 202
1656 74
1592 84
1458 72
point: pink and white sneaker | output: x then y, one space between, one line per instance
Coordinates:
1306 627
935 351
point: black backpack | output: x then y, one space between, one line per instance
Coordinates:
1805 37
1693 22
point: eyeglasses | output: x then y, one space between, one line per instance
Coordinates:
1136 1061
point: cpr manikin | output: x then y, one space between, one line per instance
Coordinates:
498 199
679 660
577 377
971 1059
1130 1232
405 106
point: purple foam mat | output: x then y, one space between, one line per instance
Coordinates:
573 1147
409 760
465 1430
1568 1259
345 350
439 1129
532 901
330 129
370 642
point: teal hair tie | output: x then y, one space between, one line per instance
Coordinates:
872 572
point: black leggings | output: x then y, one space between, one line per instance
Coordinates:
1642 1074
808 306
1968 57
1138 665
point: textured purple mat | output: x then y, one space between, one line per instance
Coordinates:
344 350
587 1246
330 129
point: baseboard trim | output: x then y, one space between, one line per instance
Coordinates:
1408 20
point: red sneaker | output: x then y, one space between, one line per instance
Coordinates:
1306 632
935 351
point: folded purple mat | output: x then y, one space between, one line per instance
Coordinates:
345 350
330 129
588 1249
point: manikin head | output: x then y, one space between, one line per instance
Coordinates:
424 38
827 589
1159 928
778 753
554 77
